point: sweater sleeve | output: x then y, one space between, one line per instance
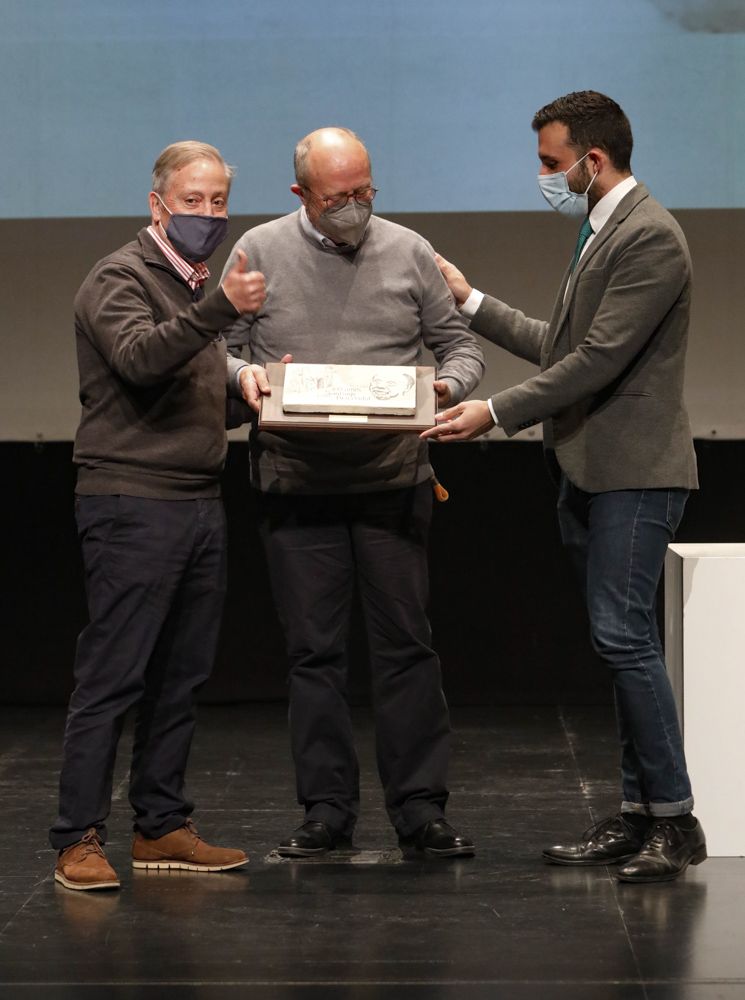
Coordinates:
460 361
117 314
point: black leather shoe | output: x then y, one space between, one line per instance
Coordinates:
437 839
667 852
310 839
609 842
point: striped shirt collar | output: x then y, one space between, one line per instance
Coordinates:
194 275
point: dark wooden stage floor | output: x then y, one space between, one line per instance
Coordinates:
502 926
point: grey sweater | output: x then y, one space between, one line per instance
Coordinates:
153 376
381 305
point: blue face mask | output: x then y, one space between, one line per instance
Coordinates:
196 237
555 189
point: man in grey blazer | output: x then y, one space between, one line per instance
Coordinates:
617 436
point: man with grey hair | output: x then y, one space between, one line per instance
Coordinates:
149 450
339 509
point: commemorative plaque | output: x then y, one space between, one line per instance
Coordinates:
367 389
373 397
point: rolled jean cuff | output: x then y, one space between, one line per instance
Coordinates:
658 808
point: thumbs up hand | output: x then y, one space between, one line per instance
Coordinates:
246 290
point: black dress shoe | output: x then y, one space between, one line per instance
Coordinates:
310 839
667 852
437 839
607 843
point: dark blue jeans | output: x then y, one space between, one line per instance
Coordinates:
155 582
617 541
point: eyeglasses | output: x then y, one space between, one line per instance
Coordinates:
363 196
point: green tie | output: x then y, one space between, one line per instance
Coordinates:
585 232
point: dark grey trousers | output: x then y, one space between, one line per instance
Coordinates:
318 549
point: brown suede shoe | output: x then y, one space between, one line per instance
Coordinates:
84 865
184 848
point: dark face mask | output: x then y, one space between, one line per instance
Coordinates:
196 237
345 225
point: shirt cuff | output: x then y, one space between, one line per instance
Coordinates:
471 306
494 417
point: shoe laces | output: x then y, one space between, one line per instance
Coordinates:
601 826
92 843
662 830
189 825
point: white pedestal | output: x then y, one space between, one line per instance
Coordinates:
705 653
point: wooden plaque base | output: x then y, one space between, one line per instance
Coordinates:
273 417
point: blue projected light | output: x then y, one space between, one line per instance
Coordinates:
442 93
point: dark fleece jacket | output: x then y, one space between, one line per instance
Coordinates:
153 373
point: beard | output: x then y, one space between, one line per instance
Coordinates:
579 181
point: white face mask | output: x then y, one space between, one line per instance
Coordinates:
555 189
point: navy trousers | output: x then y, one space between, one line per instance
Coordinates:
155 575
318 549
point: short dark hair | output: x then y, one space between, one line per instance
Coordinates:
593 120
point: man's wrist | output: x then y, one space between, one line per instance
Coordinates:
237 377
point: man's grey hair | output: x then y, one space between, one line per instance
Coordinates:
178 154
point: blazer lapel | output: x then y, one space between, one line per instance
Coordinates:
621 212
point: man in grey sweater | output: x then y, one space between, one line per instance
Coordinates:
340 508
149 450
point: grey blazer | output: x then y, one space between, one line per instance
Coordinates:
612 357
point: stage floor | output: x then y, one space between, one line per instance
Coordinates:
501 926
